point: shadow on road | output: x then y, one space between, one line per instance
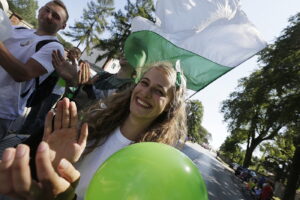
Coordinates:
220 182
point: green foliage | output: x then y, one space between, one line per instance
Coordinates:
277 156
231 148
26 9
119 27
93 23
196 132
67 45
268 101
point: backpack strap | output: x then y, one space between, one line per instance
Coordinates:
42 43
38 46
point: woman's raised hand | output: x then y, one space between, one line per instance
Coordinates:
16 180
62 135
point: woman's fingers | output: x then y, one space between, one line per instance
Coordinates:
21 176
80 75
83 72
62 115
83 135
58 115
68 171
48 125
66 113
73 115
89 72
5 171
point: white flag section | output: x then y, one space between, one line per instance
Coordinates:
208 36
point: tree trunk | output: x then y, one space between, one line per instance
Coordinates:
249 152
293 178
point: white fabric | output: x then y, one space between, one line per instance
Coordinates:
89 164
215 29
4 5
5 27
22 45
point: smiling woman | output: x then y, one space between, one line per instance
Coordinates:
152 110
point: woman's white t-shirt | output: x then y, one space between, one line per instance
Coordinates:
92 161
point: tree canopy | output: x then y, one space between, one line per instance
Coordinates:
92 24
26 9
119 27
196 132
266 104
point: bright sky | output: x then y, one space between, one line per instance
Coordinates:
269 16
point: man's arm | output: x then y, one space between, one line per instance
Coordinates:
17 70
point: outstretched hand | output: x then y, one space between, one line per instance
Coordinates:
16 180
64 69
61 132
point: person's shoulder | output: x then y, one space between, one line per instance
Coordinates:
49 41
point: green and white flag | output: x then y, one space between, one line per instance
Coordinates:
209 37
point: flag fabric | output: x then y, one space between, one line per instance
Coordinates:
209 37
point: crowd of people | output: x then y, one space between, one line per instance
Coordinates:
261 189
93 117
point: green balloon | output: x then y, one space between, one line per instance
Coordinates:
147 171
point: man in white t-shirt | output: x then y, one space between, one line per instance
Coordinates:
36 117
20 64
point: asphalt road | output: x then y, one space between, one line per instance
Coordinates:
220 181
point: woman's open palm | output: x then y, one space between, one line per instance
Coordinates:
61 132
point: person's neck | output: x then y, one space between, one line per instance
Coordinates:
41 33
133 128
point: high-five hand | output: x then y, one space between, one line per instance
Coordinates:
61 132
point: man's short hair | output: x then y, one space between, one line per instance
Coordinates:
61 4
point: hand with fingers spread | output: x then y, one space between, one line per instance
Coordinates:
65 69
16 181
84 73
61 132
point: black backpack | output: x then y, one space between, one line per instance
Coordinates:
44 89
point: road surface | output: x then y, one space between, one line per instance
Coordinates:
220 181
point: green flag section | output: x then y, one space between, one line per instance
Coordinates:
209 37
147 47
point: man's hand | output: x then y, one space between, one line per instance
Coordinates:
61 132
16 181
64 69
